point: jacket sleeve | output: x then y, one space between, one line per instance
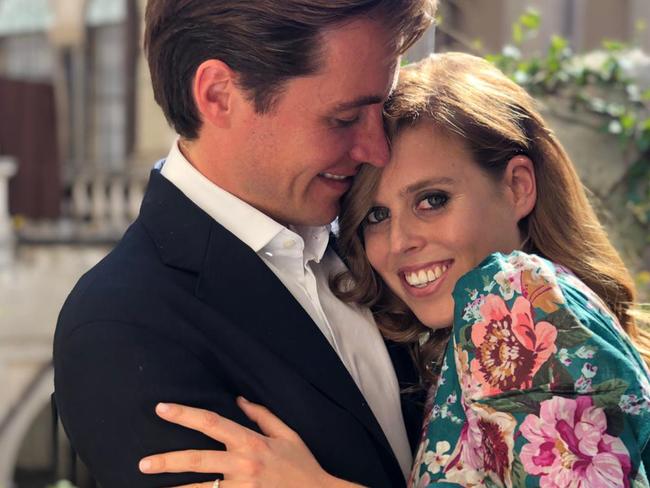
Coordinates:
108 378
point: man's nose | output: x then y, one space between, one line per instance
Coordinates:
371 143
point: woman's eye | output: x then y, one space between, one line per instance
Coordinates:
433 201
377 215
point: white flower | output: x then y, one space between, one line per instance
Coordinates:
445 366
472 311
509 283
436 460
563 356
585 352
583 385
589 370
444 411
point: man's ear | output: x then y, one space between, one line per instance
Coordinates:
214 92
519 177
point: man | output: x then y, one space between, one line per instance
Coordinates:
220 287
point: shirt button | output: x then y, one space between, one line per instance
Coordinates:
289 243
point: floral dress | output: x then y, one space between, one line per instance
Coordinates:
540 386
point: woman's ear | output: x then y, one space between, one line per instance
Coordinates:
519 177
214 89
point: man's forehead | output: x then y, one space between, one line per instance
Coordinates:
366 97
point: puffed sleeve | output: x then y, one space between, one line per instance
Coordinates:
553 392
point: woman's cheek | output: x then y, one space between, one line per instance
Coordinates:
376 253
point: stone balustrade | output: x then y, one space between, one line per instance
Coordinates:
110 201
97 208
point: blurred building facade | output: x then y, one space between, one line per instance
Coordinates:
74 75
74 92
485 26
77 114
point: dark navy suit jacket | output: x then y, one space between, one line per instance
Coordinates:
182 311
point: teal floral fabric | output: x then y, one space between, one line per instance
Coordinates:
540 386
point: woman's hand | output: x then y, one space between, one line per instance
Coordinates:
278 459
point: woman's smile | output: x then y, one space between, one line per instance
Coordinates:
423 280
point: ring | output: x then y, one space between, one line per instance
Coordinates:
216 483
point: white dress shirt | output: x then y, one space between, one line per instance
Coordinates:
302 261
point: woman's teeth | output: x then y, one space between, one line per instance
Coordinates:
333 177
421 278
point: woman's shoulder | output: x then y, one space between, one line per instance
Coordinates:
548 287
505 270
524 321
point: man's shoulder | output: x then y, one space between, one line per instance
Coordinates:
130 281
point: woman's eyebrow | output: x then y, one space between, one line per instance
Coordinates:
443 180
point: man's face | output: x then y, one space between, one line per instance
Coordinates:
298 160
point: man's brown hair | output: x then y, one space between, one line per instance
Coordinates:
266 42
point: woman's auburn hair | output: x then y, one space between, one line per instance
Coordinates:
467 97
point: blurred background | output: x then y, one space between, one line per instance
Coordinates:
79 132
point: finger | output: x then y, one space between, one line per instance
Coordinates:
207 484
209 423
270 425
223 484
191 461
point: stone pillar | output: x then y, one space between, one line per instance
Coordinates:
68 35
7 170
69 26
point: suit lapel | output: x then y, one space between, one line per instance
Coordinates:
260 303
235 281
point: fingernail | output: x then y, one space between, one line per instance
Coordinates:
145 465
163 408
243 399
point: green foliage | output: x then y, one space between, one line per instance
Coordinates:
597 85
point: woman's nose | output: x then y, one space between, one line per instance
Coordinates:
405 235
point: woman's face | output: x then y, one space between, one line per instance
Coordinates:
436 215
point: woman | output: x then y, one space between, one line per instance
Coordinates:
477 245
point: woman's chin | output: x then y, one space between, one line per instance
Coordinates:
434 314
433 322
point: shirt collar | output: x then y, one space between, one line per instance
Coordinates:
254 228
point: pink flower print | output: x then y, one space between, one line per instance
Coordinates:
424 481
470 387
484 449
569 447
510 346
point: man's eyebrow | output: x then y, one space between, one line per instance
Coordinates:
419 185
358 102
